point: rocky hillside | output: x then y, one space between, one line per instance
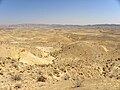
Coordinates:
68 59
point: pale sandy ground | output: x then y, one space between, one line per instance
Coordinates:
72 59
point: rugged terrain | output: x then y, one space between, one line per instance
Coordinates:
59 59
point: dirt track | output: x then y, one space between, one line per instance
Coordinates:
74 59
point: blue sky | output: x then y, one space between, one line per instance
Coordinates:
60 12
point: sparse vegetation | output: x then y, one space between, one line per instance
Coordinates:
66 77
41 79
77 82
18 86
16 77
59 59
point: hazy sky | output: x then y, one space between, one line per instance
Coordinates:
60 11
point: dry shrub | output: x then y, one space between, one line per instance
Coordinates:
77 82
17 86
16 77
41 79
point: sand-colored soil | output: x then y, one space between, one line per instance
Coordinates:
73 59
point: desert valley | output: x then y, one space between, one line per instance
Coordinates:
59 58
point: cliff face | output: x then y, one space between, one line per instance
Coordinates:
25 56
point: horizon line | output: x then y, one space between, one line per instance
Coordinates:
63 24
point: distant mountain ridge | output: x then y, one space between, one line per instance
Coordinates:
59 25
